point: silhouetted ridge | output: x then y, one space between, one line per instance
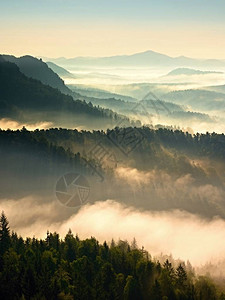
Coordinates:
37 69
24 98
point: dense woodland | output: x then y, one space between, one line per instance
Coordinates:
30 163
72 268
35 155
209 145
149 148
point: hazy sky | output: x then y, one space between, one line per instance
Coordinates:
100 27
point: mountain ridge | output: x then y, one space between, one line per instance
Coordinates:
146 58
28 100
35 68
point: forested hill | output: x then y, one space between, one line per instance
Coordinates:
35 68
72 268
164 158
30 163
28 100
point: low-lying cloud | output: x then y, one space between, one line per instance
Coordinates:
181 234
6 123
181 192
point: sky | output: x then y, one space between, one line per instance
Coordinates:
70 28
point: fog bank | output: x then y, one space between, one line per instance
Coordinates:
181 234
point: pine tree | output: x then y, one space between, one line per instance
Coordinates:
131 289
156 291
181 276
134 244
4 234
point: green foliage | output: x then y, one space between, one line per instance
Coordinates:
4 234
205 289
84 269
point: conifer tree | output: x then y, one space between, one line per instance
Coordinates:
4 234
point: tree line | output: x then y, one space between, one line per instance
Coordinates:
71 268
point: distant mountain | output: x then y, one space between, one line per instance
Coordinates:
188 71
37 69
168 111
202 100
190 116
119 60
98 93
141 107
144 59
27 100
48 73
60 71
216 88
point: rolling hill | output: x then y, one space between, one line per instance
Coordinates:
188 71
28 100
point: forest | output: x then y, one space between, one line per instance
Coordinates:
32 161
25 99
71 268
